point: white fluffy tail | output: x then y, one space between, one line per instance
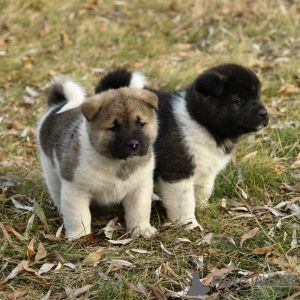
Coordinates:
137 81
66 90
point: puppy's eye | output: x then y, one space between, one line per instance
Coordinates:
140 124
239 101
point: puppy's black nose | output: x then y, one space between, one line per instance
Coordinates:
133 144
262 113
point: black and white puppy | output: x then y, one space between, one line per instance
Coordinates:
100 149
198 127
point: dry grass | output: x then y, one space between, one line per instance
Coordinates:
171 42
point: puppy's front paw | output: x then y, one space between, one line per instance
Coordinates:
192 224
71 236
145 231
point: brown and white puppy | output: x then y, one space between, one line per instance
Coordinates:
198 128
99 149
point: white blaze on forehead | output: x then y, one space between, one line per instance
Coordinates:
73 93
137 81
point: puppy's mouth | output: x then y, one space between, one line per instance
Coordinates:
259 127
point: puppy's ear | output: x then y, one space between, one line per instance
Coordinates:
210 84
91 107
149 98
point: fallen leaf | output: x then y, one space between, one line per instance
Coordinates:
58 232
226 238
69 265
32 92
243 216
291 188
142 287
217 272
182 240
18 269
157 273
265 250
58 267
157 292
121 242
40 213
82 290
120 263
18 235
59 257
248 235
41 253
205 240
294 241
4 233
45 268
20 206
29 226
51 237
65 39
30 250
139 251
92 258
295 165
47 296
135 288
165 250
111 227
16 295
197 261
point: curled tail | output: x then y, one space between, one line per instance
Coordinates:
65 90
121 78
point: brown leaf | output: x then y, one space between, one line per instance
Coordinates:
30 250
274 111
132 286
40 213
59 257
248 235
265 250
16 295
15 125
4 233
82 290
65 39
295 165
92 258
159 295
51 237
218 272
42 252
291 188
18 269
45 268
137 65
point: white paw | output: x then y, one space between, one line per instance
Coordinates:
144 231
189 225
73 235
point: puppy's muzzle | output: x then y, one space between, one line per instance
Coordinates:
133 147
262 113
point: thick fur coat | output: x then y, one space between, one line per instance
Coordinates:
199 126
99 149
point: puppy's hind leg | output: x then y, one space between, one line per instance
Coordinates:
52 180
75 209
179 201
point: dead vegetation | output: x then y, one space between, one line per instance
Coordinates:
252 224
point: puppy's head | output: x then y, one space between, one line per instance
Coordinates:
228 99
121 123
